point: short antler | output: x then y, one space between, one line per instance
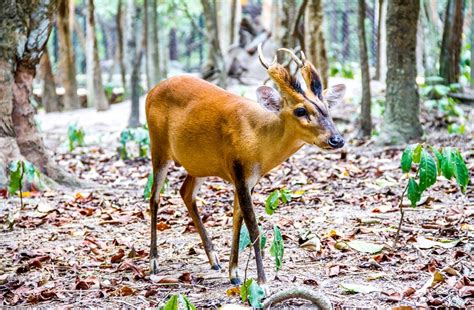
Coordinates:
260 57
299 62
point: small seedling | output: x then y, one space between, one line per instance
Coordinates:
252 292
448 163
138 136
277 197
75 136
176 300
19 169
277 248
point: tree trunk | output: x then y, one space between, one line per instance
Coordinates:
95 90
119 22
401 117
315 48
452 41
365 116
134 120
66 64
216 65
49 98
472 45
25 30
378 47
152 45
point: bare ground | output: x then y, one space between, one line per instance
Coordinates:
89 248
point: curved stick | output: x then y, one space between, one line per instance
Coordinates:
315 297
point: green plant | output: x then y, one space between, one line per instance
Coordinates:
252 292
341 70
277 248
139 136
176 300
149 185
18 170
432 163
277 197
75 136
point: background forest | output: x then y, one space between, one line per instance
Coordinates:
390 217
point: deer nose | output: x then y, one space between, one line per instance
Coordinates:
336 141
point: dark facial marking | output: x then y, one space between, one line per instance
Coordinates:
316 85
321 111
295 84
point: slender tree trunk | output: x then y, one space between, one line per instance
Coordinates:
24 34
49 98
119 22
66 65
378 47
95 90
452 42
153 44
132 33
472 45
365 116
216 64
401 117
314 38
173 44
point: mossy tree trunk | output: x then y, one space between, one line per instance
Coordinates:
24 28
401 118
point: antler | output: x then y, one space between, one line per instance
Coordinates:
260 57
299 62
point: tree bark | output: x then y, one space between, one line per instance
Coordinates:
49 98
315 48
66 64
401 117
452 41
378 47
472 45
24 29
152 45
365 115
216 65
95 90
119 22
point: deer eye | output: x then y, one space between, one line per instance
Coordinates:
300 112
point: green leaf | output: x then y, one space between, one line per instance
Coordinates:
407 157
263 238
277 247
15 168
417 153
29 171
359 288
172 303
187 304
252 292
271 203
427 171
285 195
439 159
244 239
413 193
148 187
364 246
447 166
461 172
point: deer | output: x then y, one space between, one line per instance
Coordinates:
212 132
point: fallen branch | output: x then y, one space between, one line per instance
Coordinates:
315 297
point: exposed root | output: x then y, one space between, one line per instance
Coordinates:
315 297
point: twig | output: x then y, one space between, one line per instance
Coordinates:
22 164
402 213
301 293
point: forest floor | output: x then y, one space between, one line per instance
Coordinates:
89 247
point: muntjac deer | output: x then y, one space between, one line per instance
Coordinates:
211 132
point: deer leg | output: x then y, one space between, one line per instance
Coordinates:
234 251
188 192
245 202
159 176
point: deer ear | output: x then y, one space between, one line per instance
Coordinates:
269 98
334 94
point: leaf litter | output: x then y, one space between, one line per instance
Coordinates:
90 247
